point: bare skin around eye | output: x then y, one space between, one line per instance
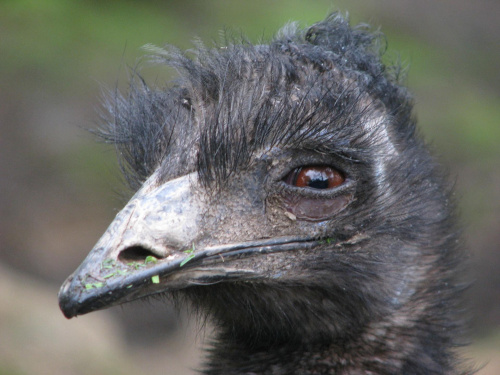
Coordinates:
316 209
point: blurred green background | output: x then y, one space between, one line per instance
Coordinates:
59 189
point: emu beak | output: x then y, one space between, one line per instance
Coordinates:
143 243
150 248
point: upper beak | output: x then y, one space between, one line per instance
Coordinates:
150 247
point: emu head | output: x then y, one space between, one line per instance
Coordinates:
281 186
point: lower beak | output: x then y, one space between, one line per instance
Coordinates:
111 282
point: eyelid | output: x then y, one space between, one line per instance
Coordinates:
312 203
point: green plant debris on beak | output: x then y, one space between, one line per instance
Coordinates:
108 264
118 269
190 253
116 273
93 286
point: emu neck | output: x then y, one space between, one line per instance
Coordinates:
392 353
257 336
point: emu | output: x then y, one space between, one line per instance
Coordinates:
284 192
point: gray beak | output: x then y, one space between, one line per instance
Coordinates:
152 236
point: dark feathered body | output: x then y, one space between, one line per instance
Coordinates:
380 292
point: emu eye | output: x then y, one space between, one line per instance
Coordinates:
315 177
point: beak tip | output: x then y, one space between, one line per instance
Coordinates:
67 300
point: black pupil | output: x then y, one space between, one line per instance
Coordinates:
318 180
318 184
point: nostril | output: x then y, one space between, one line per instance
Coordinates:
135 254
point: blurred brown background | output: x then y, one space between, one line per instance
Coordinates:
59 189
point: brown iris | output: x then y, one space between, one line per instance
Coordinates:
315 177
